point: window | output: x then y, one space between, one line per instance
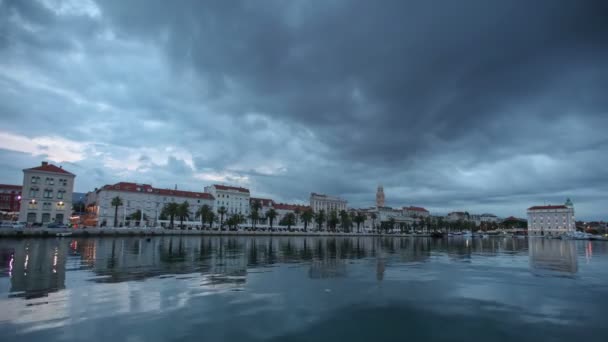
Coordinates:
48 193
50 181
33 192
63 182
46 206
35 179
60 194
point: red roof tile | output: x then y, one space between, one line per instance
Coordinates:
415 209
146 188
49 168
227 187
545 207
285 206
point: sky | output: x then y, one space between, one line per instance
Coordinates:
476 105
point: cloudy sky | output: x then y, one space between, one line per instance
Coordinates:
485 106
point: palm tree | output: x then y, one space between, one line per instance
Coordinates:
289 220
332 220
374 217
255 212
320 218
307 217
344 220
170 209
183 212
271 215
359 218
116 202
222 211
203 213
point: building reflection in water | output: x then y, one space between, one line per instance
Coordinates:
553 255
38 267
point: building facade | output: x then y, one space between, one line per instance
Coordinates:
10 198
149 201
234 199
327 203
416 212
551 219
47 195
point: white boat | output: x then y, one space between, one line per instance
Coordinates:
63 234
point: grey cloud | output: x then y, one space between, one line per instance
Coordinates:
341 95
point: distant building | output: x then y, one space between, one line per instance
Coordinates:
380 196
149 201
488 218
47 194
415 212
234 199
457 216
10 198
551 219
327 203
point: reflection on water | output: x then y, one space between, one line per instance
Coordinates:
260 288
553 255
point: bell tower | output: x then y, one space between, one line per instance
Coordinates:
380 196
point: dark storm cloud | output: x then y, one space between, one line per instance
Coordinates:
448 104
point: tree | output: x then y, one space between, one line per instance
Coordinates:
373 217
333 220
203 212
116 202
271 215
183 212
170 209
307 217
359 218
222 211
234 220
255 212
289 220
344 220
320 218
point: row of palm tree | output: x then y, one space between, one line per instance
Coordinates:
206 215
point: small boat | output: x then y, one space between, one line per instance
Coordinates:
63 234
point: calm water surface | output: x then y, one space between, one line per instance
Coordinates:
303 289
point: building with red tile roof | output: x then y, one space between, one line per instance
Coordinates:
552 220
47 194
10 198
143 198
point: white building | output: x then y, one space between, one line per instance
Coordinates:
143 197
326 203
47 194
491 218
551 219
265 205
457 216
416 212
234 199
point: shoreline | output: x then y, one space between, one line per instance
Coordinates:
111 232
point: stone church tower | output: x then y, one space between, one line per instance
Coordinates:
380 196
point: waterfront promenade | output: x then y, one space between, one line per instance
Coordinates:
108 231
